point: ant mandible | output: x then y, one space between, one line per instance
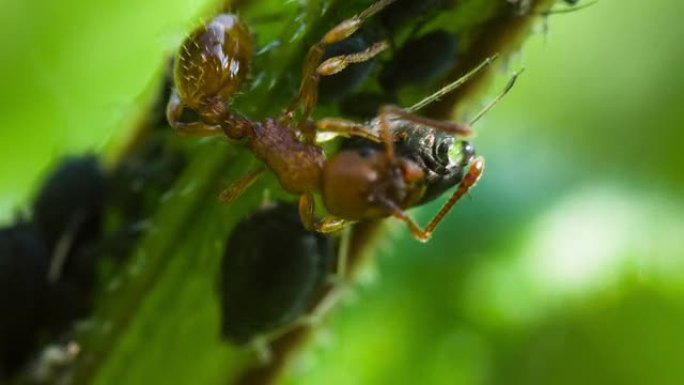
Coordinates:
210 66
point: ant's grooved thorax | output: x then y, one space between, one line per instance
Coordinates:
296 165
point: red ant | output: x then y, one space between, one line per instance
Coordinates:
210 66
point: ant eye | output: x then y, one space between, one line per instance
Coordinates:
213 60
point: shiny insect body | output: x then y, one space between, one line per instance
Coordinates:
211 65
23 267
266 285
421 60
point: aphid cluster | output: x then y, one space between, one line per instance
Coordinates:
355 184
47 264
419 58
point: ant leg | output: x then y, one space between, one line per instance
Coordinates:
475 170
326 224
346 127
313 69
452 128
423 235
308 91
235 189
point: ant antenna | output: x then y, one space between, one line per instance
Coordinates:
488 107
375 8
452 86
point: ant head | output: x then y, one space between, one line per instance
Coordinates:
213 61
359 183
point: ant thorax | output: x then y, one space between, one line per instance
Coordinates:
297 165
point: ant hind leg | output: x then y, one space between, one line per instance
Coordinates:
236 188
313 69
326 224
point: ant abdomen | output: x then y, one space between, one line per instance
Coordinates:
213 62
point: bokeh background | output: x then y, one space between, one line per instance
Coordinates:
565 267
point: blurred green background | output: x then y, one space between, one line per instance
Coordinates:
565 267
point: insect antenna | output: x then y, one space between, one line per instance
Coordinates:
453 85
491 105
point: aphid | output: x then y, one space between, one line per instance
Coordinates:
68 213
271 271
209 68
23 268
421 60
144 176
405 11
71 198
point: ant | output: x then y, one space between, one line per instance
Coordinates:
212 63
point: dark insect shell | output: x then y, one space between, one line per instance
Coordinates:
71 199
23 268
403 12
68 214
422 60
271 271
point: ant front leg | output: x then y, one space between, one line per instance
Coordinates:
346 128
313 69
468 182
327 224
